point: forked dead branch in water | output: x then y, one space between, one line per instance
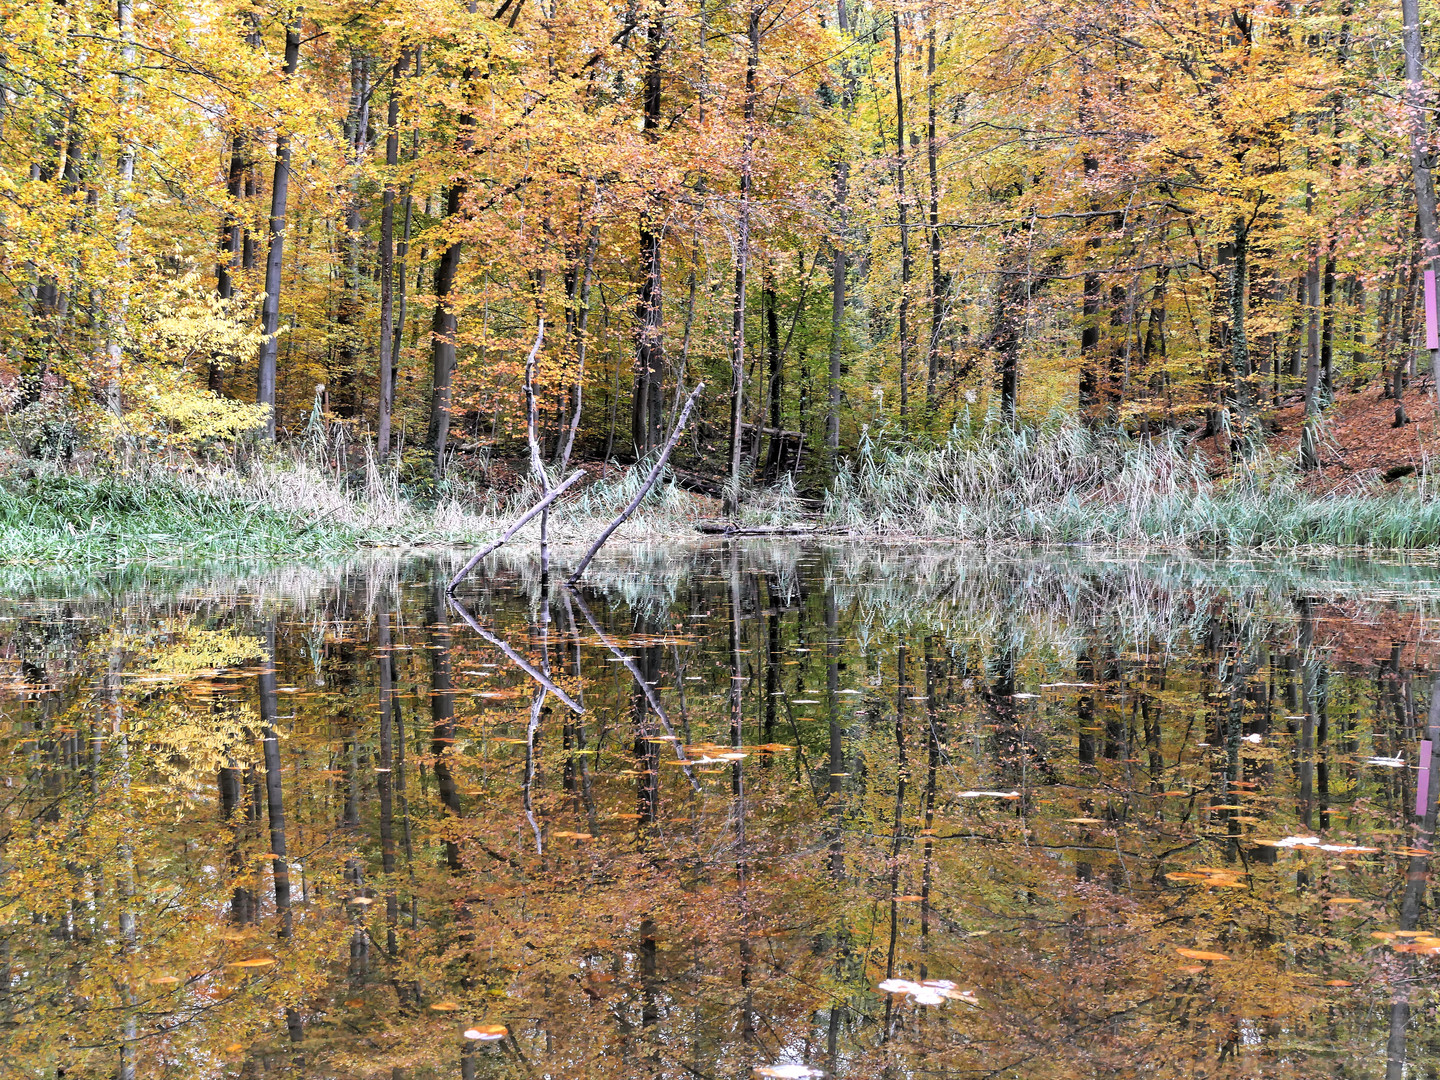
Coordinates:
550 496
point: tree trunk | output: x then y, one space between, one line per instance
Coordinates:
274 259
937 280
742 264
1416 105
906 265
387 267
647 401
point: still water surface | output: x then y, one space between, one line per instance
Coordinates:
1125 817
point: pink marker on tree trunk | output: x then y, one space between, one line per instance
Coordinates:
1422 785
1432 325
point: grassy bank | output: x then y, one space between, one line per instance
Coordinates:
1059 484
1065 484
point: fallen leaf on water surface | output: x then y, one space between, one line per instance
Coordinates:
1186 875
788 1072
1218 881
355 1003
1339 982
253 962
1085 821
930 992
1422 948
164 980
487 1032
444 1006
907 899
1413 852
1192 969
234 1048
1173 794
362 901
1382 935
629 817
775 748
1346 900
989 794
1201 954
566 834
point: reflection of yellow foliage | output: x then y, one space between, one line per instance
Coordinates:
194 651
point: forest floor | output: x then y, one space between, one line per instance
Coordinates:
1359 442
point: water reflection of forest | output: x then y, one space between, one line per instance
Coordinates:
685 820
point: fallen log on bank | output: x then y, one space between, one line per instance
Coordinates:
644 488
544 504
729 528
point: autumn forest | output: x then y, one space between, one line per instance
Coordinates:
438 235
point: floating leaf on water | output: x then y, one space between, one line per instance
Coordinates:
1193 969
1085 821
989 794
907 899
1414 852
253 962
1339 982
775 748
355 1003
788 1072
164 980
1219 881
1423 948
444 1006
1389 763
1186 875
1381 935
1346 900
486 1032
1201 954
803 701
234 1048
362 901
566 834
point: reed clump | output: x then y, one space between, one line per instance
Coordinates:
1064 483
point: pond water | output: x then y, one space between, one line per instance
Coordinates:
1083 816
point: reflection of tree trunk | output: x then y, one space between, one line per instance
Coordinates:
932 739
898 834
647 755
837 746
275 806
385 778
232 799
1417 879
1307 708
772 676
737 787
442 716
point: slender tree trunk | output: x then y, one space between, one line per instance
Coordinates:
1416 105
387 266
742 264
647 401
937 279
274 260
906 262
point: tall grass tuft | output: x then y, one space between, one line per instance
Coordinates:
1063 483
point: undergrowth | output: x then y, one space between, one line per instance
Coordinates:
1052 484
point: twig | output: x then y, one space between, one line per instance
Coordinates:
516 658
550 497
639 678
644 489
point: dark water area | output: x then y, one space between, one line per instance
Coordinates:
1080 816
